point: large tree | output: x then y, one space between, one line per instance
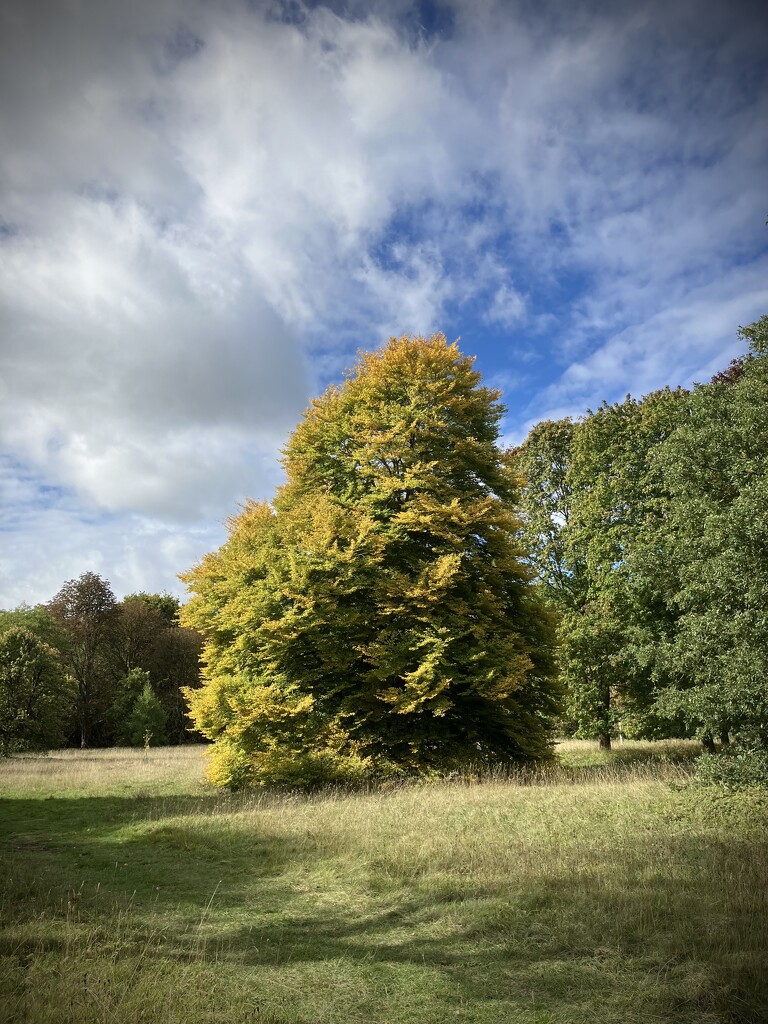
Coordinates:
593 495
85 611
379 615
714 550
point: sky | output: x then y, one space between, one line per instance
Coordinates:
208 206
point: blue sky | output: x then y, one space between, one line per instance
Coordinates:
207 208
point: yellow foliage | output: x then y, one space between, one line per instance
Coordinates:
378 614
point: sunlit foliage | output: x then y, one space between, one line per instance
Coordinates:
378 617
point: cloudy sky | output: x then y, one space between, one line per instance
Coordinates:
207 207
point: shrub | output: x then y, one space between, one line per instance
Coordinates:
736 768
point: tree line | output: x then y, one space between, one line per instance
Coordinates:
88 670
417 598
646 522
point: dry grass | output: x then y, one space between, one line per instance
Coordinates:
114 770
596 891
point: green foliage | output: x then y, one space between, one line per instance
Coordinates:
379 616
592 494
620 502
147 721
736 767
127 692
715 551
546 504
166 605
110 649
36 700
85 611
147 636
37 619
647 526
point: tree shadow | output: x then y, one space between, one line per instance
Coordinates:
182 878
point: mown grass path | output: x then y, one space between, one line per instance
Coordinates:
131 892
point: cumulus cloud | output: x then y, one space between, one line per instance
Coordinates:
207 207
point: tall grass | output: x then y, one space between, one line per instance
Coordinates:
114 770
603 889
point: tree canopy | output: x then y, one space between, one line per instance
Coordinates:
646 522
715 550
379 615
85 611
99 641
35 696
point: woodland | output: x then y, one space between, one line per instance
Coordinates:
418 600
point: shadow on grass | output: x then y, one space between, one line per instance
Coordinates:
677 921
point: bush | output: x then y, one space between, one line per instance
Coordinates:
736 768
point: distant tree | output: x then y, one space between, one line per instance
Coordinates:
146 723
127 692
166 605
36 618
148 637
380 616
85 610
36 700
176 668
137 625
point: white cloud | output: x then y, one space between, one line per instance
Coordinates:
507 307
678 345
207 207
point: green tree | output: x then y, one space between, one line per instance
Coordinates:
592 496
622 503
166 605
147 636
380 615
127 692
146 723
546 504
36 618
36 700
715 553
85 611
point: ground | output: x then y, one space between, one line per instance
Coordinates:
610 888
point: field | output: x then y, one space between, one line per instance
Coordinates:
609 889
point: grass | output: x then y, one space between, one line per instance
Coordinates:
607 889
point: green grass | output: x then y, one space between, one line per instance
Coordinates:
607 890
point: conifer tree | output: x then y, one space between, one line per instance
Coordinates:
147 721
379 616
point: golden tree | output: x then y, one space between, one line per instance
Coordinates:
379 616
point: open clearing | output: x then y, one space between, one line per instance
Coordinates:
610 890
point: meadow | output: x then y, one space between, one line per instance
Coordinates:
609 888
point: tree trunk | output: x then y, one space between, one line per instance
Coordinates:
604 735
725 739
84 725
708 743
